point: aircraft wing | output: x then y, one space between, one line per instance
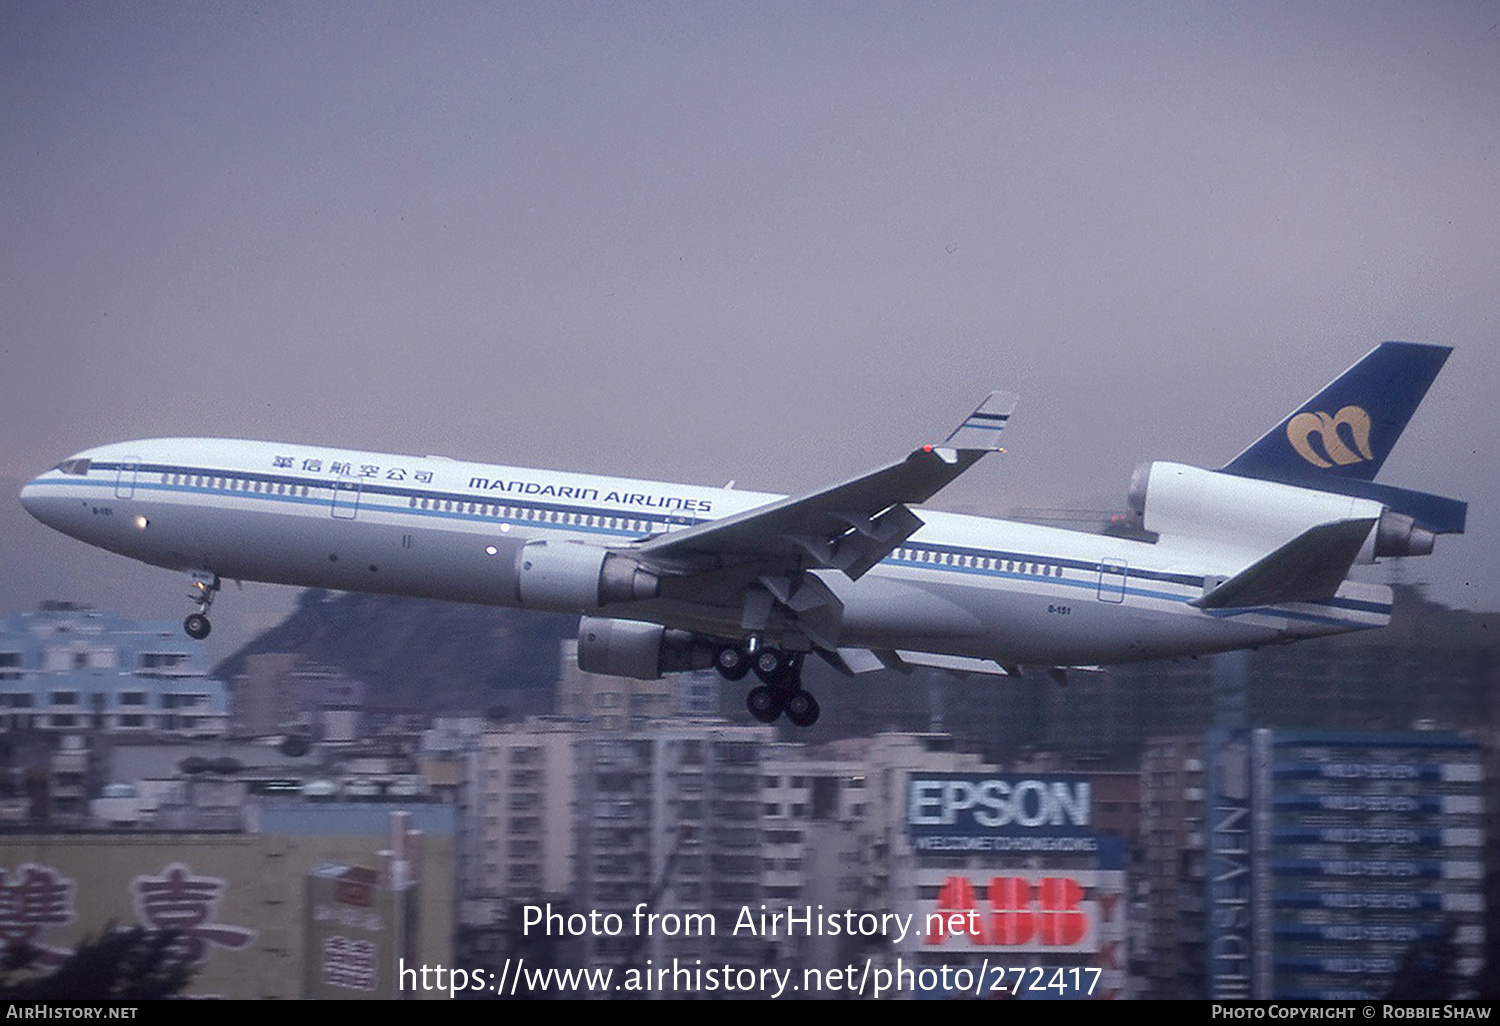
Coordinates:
1310 566
850 526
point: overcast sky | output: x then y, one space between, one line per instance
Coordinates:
778 243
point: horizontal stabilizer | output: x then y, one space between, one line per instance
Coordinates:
1311 566
1436 513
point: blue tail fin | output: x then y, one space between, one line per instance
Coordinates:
1338 440
1349 428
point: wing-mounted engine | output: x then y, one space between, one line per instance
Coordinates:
1243 512
645 651
572 576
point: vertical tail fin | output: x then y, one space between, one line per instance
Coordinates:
1348 429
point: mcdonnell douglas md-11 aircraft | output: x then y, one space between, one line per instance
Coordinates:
674 577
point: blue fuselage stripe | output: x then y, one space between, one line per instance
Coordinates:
368 490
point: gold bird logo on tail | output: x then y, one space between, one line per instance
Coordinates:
1301 428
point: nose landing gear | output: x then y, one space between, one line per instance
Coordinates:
204 587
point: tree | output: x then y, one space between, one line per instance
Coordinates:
130 964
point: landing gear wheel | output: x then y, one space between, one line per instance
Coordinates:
205 584
764 703
802 709
732 663
771 665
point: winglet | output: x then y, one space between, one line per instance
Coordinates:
981 429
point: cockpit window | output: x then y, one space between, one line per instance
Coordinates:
78 466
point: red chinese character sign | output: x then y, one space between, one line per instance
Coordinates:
33 898
179 900
350 964
357 929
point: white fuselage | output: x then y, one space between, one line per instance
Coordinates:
1015 593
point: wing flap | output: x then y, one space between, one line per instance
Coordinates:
962 665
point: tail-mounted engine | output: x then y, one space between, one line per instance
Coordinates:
1173 499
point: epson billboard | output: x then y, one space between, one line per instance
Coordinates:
972 807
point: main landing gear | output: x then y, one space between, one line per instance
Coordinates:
780 690
204 587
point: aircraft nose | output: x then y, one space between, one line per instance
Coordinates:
31 498
36 502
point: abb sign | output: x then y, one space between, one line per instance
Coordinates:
1011 911
1078 910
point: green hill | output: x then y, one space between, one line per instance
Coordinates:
420 653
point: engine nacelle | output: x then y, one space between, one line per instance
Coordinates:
1173 499
645 651
570 576
1398 535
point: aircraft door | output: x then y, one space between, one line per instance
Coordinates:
346 498
125 478
1112 574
